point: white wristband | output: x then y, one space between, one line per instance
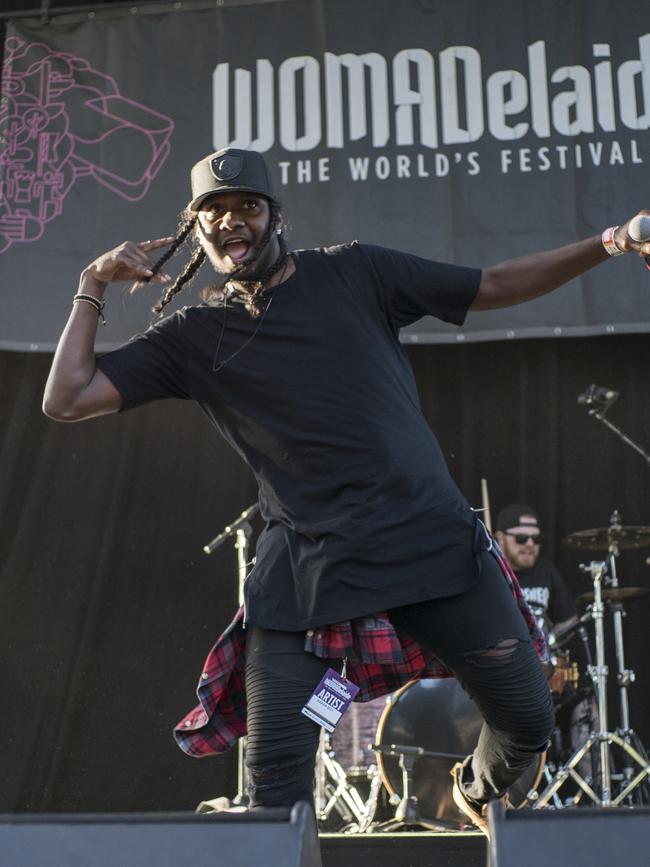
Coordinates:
609 242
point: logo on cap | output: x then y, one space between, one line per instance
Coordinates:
226 168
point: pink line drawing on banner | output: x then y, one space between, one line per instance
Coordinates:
61 119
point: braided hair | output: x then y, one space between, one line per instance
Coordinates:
254 288
186 225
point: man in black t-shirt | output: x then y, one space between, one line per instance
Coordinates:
519 534
295 358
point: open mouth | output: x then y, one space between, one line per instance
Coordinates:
237 249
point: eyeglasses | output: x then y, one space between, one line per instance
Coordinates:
522 538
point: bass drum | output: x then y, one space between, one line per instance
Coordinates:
438 716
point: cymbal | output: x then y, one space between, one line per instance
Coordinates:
616 594
601 538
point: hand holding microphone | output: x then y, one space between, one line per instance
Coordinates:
638 231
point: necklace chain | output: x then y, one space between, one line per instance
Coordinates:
216 367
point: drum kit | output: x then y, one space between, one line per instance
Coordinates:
387 766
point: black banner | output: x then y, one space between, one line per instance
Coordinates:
465 132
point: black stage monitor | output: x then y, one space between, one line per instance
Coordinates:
264 838
576 837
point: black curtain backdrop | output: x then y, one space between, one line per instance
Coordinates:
108 605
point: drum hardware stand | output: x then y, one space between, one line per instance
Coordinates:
624 676
599 400
335 792
551 768
603 738
558 804
242 532
407 812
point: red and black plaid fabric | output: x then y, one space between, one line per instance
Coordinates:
379 661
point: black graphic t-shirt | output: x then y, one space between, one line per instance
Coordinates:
318 397
546 592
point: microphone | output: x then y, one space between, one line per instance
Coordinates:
585 640
598 394
639 230
240 524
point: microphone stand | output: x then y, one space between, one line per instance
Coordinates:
242 531
598 412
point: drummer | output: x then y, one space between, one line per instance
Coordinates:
519 534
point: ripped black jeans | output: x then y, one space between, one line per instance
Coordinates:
479 634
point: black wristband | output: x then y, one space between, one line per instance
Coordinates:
95 302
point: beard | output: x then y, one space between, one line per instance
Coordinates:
253 271
249 274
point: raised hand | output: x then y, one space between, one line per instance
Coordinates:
128 261
634 236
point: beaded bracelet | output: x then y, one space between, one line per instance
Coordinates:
609 242
94 302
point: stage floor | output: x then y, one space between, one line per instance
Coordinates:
407 849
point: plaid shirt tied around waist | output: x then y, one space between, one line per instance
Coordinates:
379 661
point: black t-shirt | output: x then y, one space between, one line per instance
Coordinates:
546 593
319 399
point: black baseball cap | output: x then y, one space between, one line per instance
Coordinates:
230 170
516 515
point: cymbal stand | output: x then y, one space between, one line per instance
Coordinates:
242 531
624 676
601 738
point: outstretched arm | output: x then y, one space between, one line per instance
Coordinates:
75 388
528 277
